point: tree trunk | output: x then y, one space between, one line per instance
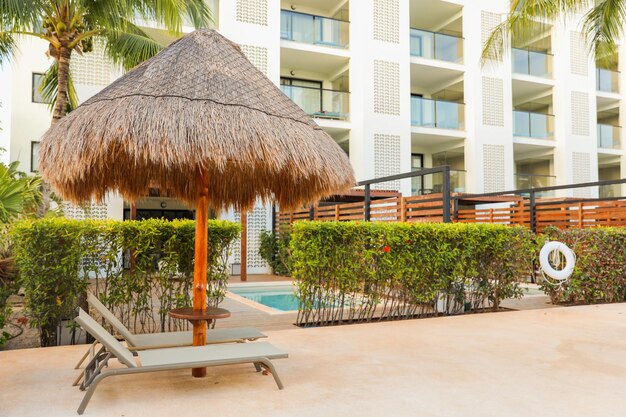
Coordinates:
60 106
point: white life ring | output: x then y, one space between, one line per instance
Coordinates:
568 254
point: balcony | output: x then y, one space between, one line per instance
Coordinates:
533 125
437 113
527 62
610 191
314 30
433 45
320 103
420 186
608 136
607 80
526 181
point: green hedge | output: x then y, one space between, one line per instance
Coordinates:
56 256
274 249
349 271
600 272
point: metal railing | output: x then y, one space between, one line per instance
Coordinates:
437 113
312 29
607 80
528 62
608 136
434 45
533 125
320 103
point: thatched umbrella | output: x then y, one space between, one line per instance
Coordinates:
200 120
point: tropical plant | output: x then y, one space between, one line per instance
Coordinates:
20 194
76 25
603 23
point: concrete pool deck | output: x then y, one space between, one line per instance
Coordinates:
554 362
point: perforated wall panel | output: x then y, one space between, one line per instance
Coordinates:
581 172
579 56
580 113
493 168
92 68
387 87
493 101
387 21
386 160
257 221
257 55
87 211
488 21
252 11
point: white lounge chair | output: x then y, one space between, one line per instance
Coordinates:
155 360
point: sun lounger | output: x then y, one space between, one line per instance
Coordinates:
167 339
155 360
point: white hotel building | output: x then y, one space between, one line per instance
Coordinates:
399 84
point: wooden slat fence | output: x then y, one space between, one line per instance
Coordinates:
548 212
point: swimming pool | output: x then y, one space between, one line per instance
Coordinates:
278 297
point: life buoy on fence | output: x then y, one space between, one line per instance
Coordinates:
544 260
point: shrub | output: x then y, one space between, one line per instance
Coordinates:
274 249
59 258
364 271
600 272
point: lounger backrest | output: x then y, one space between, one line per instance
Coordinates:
110 317
104 337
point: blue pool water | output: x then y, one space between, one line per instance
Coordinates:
279 297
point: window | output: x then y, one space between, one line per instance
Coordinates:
305 93
36 94
417 183
34 156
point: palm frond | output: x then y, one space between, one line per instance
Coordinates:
49 87
129 49
604 25
525 19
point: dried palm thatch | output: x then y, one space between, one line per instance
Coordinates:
197 107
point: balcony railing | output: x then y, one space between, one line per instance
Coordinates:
320 103
312 29
526 181
608 136
434 184
437 113
527 62
433 45
607 80
533 125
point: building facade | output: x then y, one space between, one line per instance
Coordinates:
400 85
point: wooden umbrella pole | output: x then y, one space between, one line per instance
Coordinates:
244 245
200 265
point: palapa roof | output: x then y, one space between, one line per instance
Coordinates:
199 105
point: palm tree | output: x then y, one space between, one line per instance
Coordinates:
72 26
603 23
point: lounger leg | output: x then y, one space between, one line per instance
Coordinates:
89 393
90 350
270 367
257 367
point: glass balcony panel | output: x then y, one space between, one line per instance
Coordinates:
608 136
533 125
328 104
537 64
318 30
607 80
439 46
436 113
526 181
433 184
521 124
611 191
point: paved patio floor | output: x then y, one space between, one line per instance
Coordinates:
553 362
